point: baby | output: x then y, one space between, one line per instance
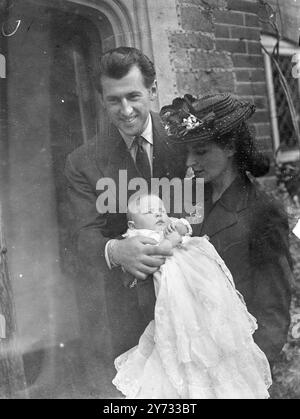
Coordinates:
147 214
148 217
200 343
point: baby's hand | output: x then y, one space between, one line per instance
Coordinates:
181 228
170 229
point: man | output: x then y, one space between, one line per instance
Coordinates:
134 142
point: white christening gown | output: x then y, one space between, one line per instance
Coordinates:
200 345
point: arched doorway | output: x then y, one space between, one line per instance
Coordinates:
52 109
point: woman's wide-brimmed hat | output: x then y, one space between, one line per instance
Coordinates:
207 118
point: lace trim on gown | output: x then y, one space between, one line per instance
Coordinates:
200 345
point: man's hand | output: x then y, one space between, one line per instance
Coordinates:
140 256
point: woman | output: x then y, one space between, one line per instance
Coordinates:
247 228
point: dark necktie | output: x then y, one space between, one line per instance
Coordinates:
142 161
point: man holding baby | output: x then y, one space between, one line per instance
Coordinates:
115 289
135 142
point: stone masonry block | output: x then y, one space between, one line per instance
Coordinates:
222 31
181 59
191 40
203 60
203 82
188 82
195 19
222 81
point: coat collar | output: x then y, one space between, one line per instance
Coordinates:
119 157
224 213
235 198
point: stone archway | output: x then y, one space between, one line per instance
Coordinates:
118 17
126 21
144 24
46 305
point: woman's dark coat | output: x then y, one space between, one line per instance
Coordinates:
250 232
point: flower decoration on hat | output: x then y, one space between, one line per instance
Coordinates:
189 119
181 118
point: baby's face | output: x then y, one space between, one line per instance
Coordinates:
151 214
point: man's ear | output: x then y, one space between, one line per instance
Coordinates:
131 225
153 91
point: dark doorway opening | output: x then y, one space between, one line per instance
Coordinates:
51 109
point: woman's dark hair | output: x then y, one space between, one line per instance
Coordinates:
117 63
247 157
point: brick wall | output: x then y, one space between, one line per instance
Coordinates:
218 49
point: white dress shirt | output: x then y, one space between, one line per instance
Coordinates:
147 146
132 147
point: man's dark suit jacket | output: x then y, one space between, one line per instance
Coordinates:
250 232
112 317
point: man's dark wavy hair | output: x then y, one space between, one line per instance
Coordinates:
117 63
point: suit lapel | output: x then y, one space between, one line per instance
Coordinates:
119 157
113 157
161 151
224 213
219 219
